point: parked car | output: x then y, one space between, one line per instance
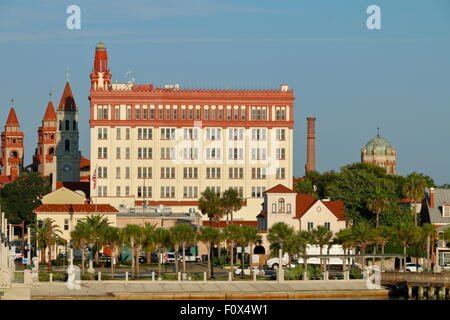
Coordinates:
274 263
414 267
170 257
190 258
238 271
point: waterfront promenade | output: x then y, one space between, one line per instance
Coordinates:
197 290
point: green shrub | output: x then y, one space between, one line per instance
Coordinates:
355 273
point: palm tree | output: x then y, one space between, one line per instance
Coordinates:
362 235
210 205
80 238
209 235
230 201
378 201
343 238
302 240
111 237
250 237
322 237
162 239
278 235
383 235
232 235
148 242
47 235
413 189
430 234
133 236
404 232
97 225
183 235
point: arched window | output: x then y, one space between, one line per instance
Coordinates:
74 125
281 205
67 125
67 145
60 125
13 154
51 151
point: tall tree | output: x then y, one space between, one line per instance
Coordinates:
279 234
20 197
414 189
80 237
404 235
322 237
232 235
133 236
148 242
362 235
250 237
231 202
209 204
162 239
111 236
183 235
97 225
209 235
430 233
380 197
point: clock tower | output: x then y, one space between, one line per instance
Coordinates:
67 136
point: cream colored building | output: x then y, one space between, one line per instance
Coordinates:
167 145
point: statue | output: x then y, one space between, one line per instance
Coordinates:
73 279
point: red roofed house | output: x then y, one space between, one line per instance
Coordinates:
300 211
11 149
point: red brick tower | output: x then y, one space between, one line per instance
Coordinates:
311 146
100 76
44 156
12 147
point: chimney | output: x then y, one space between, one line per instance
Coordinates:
431 197
311 146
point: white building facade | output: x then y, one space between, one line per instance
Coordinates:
167 145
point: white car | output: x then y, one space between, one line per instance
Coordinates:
189 258
413 267
256 270
274 264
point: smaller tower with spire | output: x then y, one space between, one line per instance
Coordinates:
12 149
43 160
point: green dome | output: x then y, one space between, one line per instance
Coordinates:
100 45
378 146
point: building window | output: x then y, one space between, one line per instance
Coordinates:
258 173
127 153
145 134
145 153
259 134
117 153
103 172
235 134
197 114
117 172
66 224
281 154
214 189
190 153
280 134
167 133
144 172
128 113
144 113
190 173
235 153
167 153
240 191
161 114
175 114
257 192
328 225
118 132
205 114
127 172
281 173
190 192
102 191
138 114
127 133
274 208
191 114
167 114
167 192
213 173
102 152
127 191
67 146
213 114
183 114
190 134
258 153
144 192
117 113
281 204
167 172
236 173
213 153
213 133
310 226
288 208
228 114
118 191
152 114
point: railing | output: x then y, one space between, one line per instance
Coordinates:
413 277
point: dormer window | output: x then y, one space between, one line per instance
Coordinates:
281 204
446 210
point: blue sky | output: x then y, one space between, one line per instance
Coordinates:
351 78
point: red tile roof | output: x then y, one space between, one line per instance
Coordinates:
84 162
305 201
173 203
12 119
223 224
67 101
93 208
279 188
50 114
